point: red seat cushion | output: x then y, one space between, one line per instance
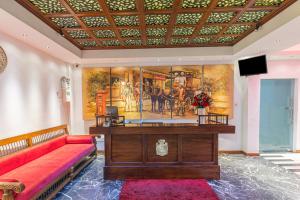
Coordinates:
18 159
79 139
39 173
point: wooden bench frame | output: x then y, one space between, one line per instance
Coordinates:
18 143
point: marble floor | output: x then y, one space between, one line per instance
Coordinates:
244 178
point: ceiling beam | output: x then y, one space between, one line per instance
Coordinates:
249 4
203 19
80 22
172 22
141 14
110 20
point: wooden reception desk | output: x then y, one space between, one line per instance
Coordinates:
162 150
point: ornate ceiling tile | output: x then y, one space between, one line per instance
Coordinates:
188 18
220 17
268 2
104 33
253 16
126 20
154 23
49 6
210 30
85 5
88 43
183 31
237 29
111 43
121 5
78 34
195 3
130 33
202 40
65 22
177 41
156 41
132 42
99 21
158 4
231 3
156 32
157 19
226 39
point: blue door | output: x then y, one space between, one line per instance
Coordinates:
276 115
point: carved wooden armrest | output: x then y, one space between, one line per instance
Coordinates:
9 187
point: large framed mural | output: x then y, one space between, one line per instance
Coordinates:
160 92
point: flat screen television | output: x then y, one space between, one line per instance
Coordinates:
253 66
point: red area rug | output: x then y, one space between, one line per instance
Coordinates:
177 189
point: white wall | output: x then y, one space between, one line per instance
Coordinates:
28 90
233 142
77 122
276 70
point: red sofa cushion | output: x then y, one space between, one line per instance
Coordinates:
79 139
9 180
18 159
39 173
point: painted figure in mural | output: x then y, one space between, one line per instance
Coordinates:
136 94
153 99
128 92
161 100
147 89
180 79
181 101
122 90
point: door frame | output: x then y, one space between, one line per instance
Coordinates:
295 110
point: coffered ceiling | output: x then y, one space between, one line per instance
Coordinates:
127 24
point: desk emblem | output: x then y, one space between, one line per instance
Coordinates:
161 147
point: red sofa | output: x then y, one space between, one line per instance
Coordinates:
30 172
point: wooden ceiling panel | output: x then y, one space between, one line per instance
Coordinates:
129 24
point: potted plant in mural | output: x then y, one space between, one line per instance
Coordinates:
202 101
97 93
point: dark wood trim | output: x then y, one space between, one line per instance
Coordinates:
236 17
110 19
238 152
179 150
154 172
250 154
204 18
203 129
141 14
231 152
172 22
215 148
